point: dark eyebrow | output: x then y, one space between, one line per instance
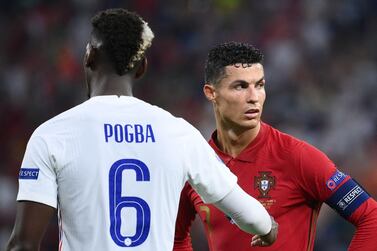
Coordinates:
245 82
239 81
260 80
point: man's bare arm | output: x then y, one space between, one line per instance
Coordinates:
31 222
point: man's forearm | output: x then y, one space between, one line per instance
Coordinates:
366 227
250 215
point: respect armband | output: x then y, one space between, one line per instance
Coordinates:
348 198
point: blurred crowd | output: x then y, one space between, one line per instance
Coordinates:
320 66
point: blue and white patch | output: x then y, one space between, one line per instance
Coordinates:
28 174
335 180
348 198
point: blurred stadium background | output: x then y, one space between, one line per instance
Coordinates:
320 65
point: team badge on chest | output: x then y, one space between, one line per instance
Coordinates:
264 182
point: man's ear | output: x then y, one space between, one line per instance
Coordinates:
142 68
91 54
209 92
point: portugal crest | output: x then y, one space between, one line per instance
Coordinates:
264 182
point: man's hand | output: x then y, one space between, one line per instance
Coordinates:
268 239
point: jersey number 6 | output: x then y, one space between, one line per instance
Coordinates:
118 202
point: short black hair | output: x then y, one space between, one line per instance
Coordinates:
121 32
226 54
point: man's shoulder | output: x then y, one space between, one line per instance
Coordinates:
172 122
161 114
61 121
282 139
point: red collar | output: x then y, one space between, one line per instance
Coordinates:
247 154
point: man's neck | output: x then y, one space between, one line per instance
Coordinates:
111 85
234 142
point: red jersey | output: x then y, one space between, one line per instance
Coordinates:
291 179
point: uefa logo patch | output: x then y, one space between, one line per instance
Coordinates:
331 184
335 180
28 174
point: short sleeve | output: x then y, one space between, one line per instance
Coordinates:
207 174
37 178
317 175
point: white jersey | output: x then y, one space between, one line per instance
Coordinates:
115 167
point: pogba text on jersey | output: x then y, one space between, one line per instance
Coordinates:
128 133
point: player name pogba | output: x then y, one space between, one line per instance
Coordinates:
129 133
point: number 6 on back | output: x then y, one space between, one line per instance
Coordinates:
118 202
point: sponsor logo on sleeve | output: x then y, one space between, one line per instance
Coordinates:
28 174
335 180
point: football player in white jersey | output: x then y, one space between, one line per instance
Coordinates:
114 166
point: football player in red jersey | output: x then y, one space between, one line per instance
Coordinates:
290 177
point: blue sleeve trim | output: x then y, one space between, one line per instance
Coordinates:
348 198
